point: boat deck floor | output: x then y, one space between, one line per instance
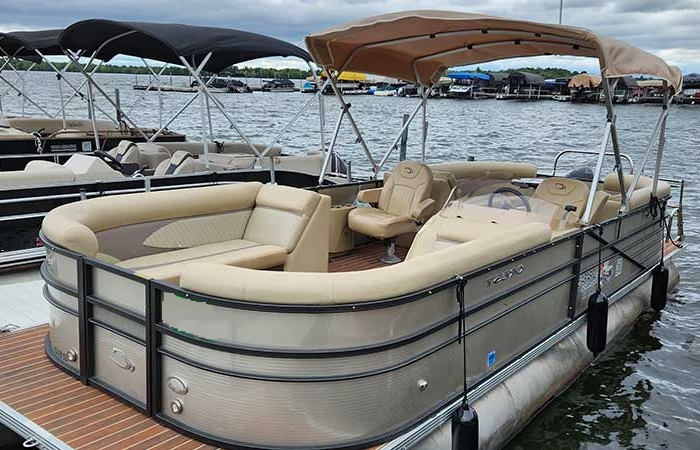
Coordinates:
363 257
80 416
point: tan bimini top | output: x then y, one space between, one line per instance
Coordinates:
419 46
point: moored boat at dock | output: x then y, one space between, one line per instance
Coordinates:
512 279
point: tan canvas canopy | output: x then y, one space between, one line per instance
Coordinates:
649 83
419 46
585 80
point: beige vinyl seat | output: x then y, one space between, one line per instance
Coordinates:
127 152
156 235
640 197
402 205
571 195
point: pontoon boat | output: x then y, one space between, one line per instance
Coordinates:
218 312
28 194
55 137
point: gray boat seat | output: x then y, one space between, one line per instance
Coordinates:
181 163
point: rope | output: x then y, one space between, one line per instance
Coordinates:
600 257
460 330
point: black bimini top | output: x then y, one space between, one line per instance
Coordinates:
22 44
167 42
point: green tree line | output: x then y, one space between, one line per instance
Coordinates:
233 71
544 72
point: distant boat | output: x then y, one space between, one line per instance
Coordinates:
280 85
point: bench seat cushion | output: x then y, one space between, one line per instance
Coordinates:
242 253
377 223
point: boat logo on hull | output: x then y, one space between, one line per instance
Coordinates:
505 275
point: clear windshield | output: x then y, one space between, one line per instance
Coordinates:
505 202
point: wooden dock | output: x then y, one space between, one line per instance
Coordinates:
81 416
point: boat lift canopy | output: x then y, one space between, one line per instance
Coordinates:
197 48
419 46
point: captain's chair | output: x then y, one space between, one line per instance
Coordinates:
181 163
126 152
569 194
402 205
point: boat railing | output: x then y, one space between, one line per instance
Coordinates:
675 209
590 152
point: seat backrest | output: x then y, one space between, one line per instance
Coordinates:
180 163
409 184
151 155
562 192
280 215
126 152
443 183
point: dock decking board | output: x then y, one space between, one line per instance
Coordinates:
363 257
81 416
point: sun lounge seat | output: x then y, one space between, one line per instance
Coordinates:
239 252
156 235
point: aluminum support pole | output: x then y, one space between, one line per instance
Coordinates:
289 124
91 105
424 134
344 105
596 175
662 143
61 78
321 106
104 94
217 103
175 116
203 118
329 153
647 151
616 146
383 161
21 93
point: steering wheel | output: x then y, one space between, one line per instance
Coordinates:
110 160
504 190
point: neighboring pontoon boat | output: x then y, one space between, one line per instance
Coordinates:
512 281
28 194
54 137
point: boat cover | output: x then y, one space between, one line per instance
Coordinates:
166 42
585 80
23 44
525 78
468 76
420 45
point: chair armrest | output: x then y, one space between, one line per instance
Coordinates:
422 209
369 195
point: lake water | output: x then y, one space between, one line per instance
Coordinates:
645 392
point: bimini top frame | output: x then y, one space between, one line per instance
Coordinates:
196 48
419 46
35 46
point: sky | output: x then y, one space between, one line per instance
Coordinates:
667 28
